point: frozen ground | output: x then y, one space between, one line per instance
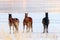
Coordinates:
29 36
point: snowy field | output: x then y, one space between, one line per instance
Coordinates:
54 29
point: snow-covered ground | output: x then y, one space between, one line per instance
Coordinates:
29 36
54 29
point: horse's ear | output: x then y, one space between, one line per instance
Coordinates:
46 14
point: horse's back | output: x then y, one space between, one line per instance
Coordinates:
30 19
15 19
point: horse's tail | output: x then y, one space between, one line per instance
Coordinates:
32 27
16 24
31 24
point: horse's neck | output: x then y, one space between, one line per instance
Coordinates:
46 17
26 17
10 19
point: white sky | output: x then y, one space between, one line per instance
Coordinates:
29 5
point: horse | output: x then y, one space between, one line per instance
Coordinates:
28 23
45 23
13 22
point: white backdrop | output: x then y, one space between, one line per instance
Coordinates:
29 5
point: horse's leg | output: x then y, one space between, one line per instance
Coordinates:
10 29
13 29
23 27
16 27
31 28
27 28
47 29
44 29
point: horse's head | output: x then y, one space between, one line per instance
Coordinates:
10 15
26 14
46 14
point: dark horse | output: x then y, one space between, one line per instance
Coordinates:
28 23
13 22
45 22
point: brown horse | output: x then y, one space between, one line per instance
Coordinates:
13 22
28 23
45 22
